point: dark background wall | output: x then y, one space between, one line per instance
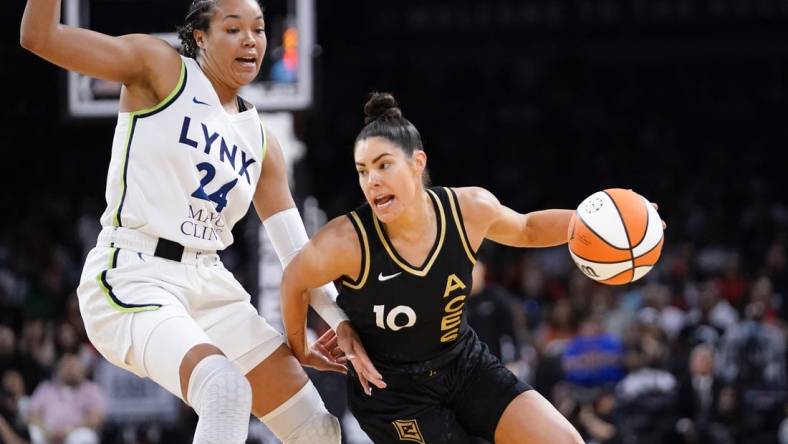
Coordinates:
543 102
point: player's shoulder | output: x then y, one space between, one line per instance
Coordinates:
475 200
336 233
152 47
341 225
338 243
160 63
148 40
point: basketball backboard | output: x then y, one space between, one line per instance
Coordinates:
285 80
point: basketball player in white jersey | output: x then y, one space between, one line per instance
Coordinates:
188 157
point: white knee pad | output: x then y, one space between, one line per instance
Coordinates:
222 397
161 340
321 428
303 419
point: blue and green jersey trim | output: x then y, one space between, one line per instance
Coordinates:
265 142
109 292
133 117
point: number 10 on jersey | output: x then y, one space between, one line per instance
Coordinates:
391 318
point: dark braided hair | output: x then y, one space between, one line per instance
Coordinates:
383 118
198 17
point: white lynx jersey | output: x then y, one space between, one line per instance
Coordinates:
185 170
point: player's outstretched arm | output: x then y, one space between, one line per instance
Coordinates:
333 252
326 257
277 211
272 194
486 217
131 59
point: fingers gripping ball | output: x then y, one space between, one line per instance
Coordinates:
615 236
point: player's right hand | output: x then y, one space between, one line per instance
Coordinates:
325 354
354 350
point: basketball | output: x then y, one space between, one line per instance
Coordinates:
615 236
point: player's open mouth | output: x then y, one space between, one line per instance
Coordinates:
247 62
383 201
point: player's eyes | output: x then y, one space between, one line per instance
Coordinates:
362 172
260 30
233 30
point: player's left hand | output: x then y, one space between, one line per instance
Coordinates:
351 344
325 354
656 207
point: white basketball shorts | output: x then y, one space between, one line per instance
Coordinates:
125 293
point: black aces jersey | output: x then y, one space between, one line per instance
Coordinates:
411 317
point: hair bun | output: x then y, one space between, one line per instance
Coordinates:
381 106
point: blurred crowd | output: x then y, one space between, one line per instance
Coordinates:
695 352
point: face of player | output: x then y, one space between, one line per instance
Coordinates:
235 43
389 178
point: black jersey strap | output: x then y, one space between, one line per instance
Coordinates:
456 211
365 257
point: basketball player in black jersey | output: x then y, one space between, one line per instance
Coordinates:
405 261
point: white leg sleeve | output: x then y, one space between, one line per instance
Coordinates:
222 397
303 419
287 233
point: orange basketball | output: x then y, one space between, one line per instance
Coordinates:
615 236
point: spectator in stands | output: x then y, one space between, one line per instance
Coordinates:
776 270
753 359
593 358
551 339
67 409
753 352
7 348
698 399
647 399
35 351
67 340
597 419
13 429
558 329
490 315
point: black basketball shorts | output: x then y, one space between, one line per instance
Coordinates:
464 398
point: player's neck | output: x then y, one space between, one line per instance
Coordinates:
416 223
227 94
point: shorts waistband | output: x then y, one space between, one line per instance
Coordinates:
429 368
129 239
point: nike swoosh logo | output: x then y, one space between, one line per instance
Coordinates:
194 99
383 278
